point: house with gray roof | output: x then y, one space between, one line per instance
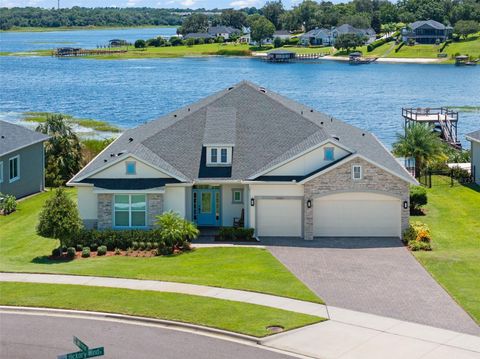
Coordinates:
426 32
223 31
247 153
22 160
474 138
198 35
328 37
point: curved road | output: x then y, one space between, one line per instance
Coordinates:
46 336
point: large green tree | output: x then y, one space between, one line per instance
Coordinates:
63 152
466 27
261 29
234 18
194 23
273 10
348 41
421 142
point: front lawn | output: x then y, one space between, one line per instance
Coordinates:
453 214
233 316
254 269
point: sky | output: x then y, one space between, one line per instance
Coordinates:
193 4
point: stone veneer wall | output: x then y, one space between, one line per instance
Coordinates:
154 207
340 179
105 210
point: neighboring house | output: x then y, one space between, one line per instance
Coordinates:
426 32
224 31
474 139
317 37
246 152
198 35
369 34
328 37
22 160
282 34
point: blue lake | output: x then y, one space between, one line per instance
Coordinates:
129 92
27 41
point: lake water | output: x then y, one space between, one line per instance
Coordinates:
130 92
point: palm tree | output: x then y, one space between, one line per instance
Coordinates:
63 152
421 142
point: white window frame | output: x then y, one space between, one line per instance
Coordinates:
127 163
223 150
239 190
1 171
360 171
216 155
130 210
17 177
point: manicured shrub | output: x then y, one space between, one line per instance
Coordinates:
102 250
148 246
71 252
8 204
140 44
417 236
418 198
86 252
94 247
118 251
235 234
175 231
190 42
79 247
59 218
135 245
63 249
141 246
56 252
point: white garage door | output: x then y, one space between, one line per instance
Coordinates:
357 215
279 217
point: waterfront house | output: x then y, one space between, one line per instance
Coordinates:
198 35
247 152
223 31
317 37
474 139
426 32
368 34
284 35
22 160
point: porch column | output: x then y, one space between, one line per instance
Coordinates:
308 220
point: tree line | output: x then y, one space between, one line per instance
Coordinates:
306 15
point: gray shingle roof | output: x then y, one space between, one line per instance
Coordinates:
220 126
435 24
222 29
14 137
475 135
269 129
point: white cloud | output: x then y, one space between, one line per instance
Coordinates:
188 3
132 3
243 3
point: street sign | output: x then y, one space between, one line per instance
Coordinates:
84 352
83 347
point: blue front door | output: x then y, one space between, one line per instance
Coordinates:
206 207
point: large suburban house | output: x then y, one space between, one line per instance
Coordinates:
328 37
22 160
248 153
426 32
474 139
223 31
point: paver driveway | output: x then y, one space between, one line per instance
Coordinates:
373 275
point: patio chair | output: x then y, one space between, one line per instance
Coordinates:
239 221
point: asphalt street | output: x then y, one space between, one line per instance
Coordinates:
45 336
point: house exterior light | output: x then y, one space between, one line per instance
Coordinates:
252 202
405 204
309 203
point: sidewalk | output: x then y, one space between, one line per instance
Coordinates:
348 334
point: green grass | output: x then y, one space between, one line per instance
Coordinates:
96 125
454 220
233 316
254 269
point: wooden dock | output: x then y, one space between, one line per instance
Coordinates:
441 119
76 52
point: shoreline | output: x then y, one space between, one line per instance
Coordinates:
82 28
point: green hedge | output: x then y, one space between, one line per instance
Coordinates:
235 234
397 49
112 239
377 43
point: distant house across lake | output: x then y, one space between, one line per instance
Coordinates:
426 32
328 37
117 43
223 31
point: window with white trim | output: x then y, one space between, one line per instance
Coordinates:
130 210
130 167
213 155
237 195
1 171
357 172
14 167
223 155
328 153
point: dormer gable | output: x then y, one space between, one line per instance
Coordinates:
219 136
